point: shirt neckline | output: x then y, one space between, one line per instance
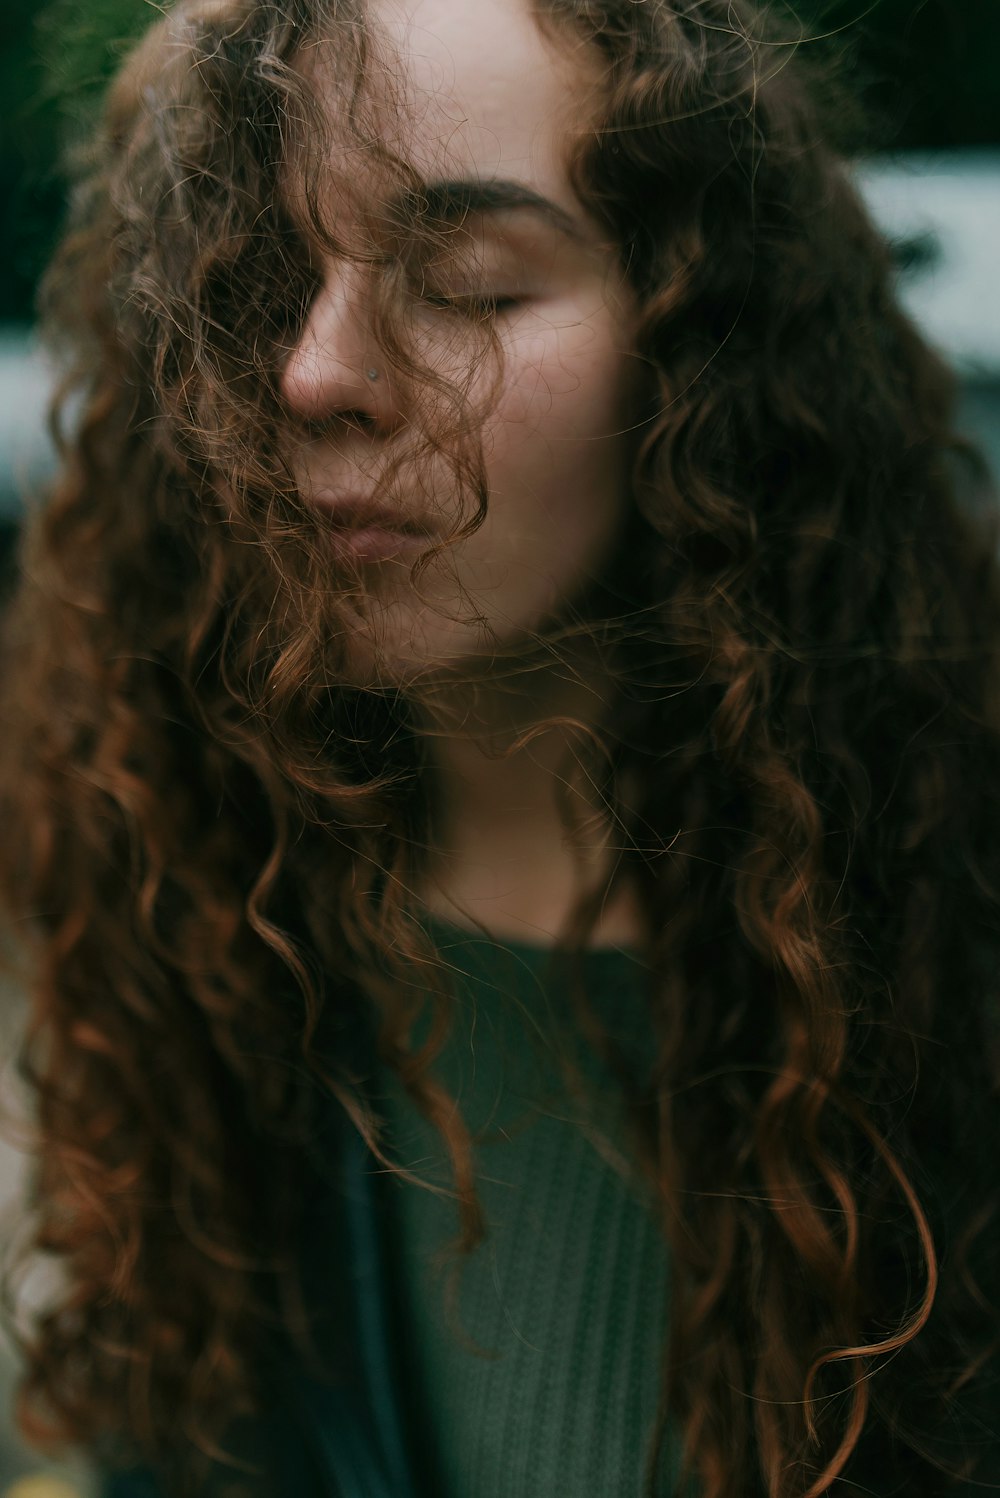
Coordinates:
533 951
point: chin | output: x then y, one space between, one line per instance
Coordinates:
397 640
403 654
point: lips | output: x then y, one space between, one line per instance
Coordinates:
355 513
363 530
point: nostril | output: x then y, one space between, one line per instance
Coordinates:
355 418
329 423
359 418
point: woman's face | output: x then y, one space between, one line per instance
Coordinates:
494 109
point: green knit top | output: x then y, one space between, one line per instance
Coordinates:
567 1296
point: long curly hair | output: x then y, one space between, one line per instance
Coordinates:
211 832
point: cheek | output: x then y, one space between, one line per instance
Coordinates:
559 443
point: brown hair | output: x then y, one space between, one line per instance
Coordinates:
208 851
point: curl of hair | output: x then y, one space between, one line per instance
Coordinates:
208 851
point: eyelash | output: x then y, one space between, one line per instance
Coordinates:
490 306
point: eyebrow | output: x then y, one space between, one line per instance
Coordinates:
451 200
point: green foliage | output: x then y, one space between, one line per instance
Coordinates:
54 65
81 46
925 72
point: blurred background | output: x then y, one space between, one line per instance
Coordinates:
927 155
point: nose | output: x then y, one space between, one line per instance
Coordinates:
333 369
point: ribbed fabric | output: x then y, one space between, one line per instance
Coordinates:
569 1290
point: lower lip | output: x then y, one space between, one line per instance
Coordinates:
376 543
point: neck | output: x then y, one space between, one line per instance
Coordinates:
520 834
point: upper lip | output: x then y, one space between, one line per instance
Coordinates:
355 512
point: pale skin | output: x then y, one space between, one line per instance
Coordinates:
493 101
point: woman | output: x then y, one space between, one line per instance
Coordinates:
501 712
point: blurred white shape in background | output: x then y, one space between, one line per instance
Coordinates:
25 448
942 210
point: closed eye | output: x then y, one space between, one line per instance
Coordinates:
482 304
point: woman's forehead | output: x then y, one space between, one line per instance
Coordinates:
484 92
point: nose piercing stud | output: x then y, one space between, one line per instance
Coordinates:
372 374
